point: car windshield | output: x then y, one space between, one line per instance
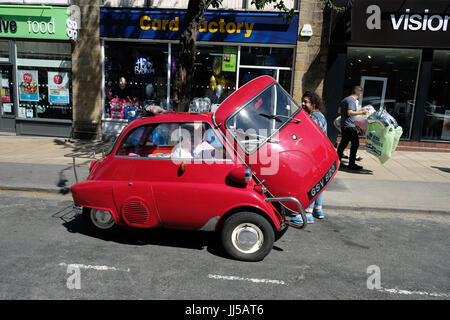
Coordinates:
261 118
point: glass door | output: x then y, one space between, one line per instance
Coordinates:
374 91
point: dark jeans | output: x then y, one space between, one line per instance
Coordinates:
349 135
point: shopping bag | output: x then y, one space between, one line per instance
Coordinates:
381 140
360 120
337 123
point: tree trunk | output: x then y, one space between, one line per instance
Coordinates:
186 58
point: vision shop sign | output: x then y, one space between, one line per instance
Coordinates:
401 23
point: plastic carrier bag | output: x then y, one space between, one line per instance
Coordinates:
382 135
360 120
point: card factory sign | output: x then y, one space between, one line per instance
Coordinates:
219 26
412 23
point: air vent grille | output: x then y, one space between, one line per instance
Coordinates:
136 212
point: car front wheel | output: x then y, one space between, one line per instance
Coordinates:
100 221
247 236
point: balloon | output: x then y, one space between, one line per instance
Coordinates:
149 90
219 90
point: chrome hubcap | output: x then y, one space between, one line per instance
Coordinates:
247 238
102 219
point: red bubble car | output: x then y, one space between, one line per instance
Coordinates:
243 171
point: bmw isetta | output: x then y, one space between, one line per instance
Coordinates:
243 171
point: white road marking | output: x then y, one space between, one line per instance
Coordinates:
407 292
219 277
99 268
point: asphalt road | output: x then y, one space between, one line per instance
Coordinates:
46 253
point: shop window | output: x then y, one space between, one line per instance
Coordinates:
135 75
277 60
267 56
214 75
436 122
4 51
388 78
44 80
6 91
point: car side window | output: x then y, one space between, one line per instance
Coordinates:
198 142
180 141
150 141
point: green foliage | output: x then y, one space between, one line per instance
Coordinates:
286 13
332 6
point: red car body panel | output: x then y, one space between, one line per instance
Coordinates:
150 192
299 163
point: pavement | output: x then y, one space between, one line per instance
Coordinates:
408 182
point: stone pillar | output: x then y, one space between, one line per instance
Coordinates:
311 55
87 73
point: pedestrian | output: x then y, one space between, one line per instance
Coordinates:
349 133
313 105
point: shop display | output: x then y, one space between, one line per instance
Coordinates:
58 87
28 85
143 67
200 105
117 107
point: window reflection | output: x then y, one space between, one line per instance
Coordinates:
391 76
436 122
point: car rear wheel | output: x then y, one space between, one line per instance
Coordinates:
100 221
247 236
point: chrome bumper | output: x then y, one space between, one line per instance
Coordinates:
302 212
77 209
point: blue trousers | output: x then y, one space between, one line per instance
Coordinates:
316 205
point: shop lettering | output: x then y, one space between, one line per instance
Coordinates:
420 22
230 27
42 27
6 25
407 21
159 25
145 23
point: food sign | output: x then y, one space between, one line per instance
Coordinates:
28 85
58 87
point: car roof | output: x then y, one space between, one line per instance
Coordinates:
173 117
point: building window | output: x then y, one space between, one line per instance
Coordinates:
214 75
135 73
260 61
4 51
44 80
436 122
389 80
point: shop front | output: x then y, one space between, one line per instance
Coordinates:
399 52
35 70
140 50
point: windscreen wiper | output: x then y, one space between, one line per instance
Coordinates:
277 117
270 116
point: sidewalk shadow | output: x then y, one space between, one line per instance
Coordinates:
362 171
198 240
84 146
446 170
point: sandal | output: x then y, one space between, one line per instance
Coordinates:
309 217
318 214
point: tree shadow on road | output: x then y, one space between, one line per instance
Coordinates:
197 240
84 146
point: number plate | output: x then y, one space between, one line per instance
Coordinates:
322 182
